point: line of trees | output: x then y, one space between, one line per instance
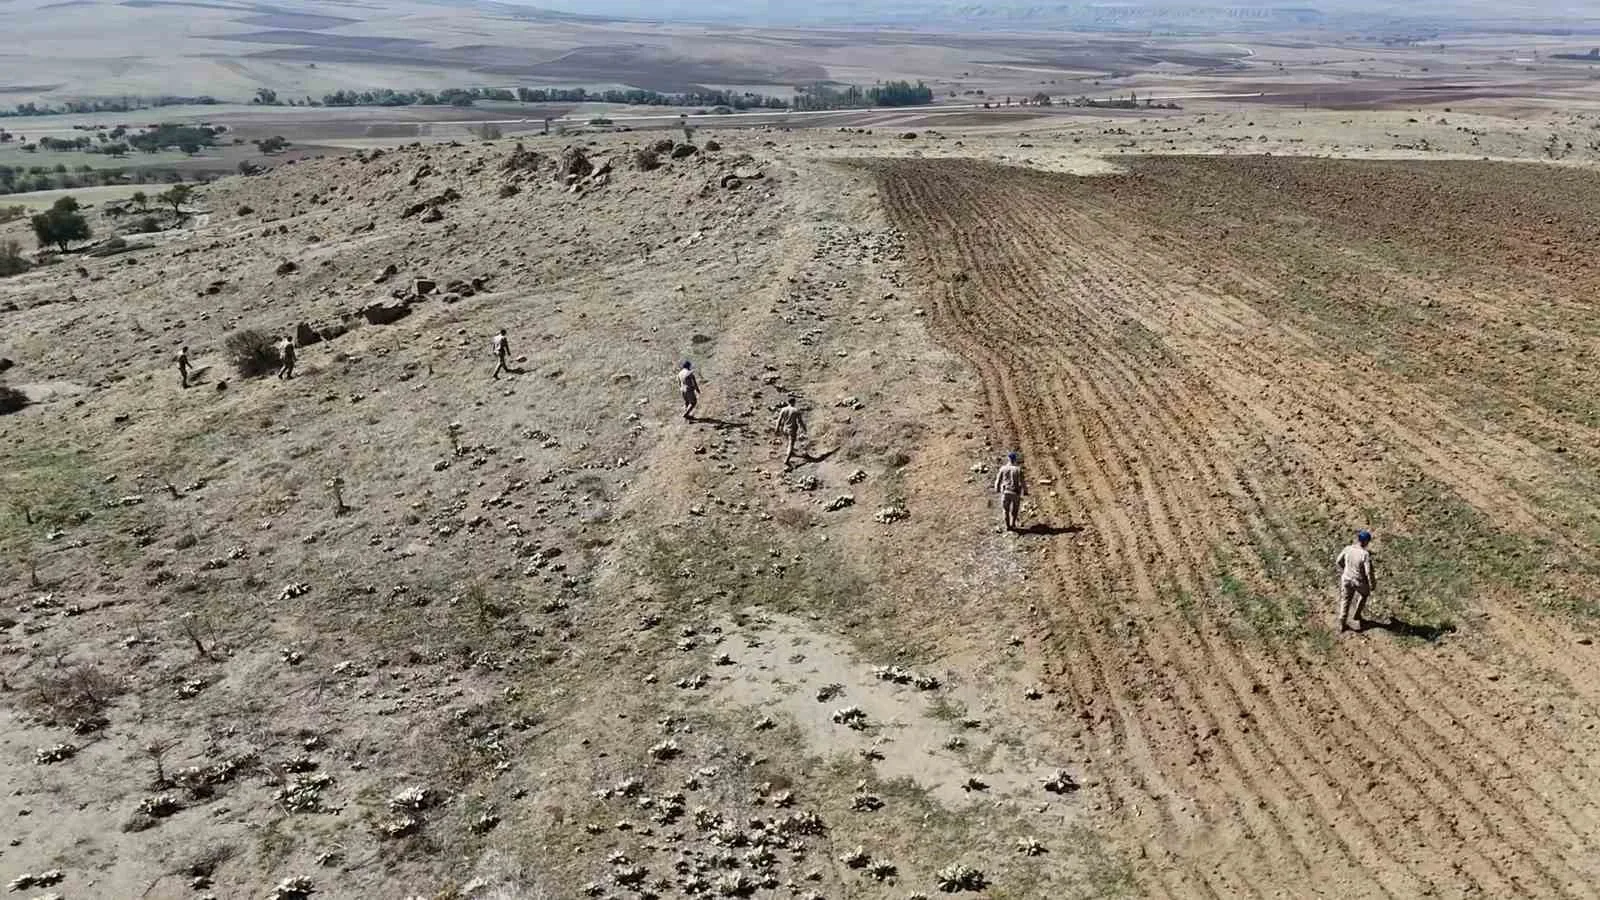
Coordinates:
892 93
17 180
105 104
808 97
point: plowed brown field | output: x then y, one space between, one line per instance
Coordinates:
1221 367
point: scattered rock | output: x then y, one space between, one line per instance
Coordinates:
891 514
295 888
57 753
842 501
1030 847
387 273
1061 783
852 717
385 313
47 878
684 151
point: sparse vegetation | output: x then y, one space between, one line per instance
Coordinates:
252 353
12 262
72 693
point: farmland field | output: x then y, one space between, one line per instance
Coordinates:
1226 366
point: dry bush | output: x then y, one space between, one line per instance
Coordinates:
74 693
12 262
11 399
252 353
646 159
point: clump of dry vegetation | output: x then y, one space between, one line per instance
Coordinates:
11 399
252 353
72 694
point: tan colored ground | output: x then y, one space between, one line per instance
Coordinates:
595 635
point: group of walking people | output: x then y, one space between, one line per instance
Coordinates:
1354 564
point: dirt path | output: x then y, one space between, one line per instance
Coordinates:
1204 440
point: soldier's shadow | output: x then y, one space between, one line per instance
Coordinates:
816 458
1047 530
1402 628
720 424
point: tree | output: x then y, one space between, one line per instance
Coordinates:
140 200
274 144
176 196
61 225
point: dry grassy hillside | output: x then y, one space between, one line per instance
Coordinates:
545 633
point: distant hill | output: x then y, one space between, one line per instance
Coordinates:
1559 16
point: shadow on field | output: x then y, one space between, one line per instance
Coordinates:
1047 530
720 424
1402 628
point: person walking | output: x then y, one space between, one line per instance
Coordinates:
689 387
1356 580
1012 487
286 357
183 367
502 354
790 425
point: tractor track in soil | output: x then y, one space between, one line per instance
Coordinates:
1177 422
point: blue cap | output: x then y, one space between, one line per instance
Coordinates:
1363 536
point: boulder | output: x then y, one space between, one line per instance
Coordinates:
713 146
5 364
421 173
684 151
388 272
422 287
748 173
286 268
305 335
662 146
432 215
385 313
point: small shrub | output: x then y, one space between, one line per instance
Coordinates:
252 353
145 225
646 159
713 146
11 399
12 262
74 693
245 210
